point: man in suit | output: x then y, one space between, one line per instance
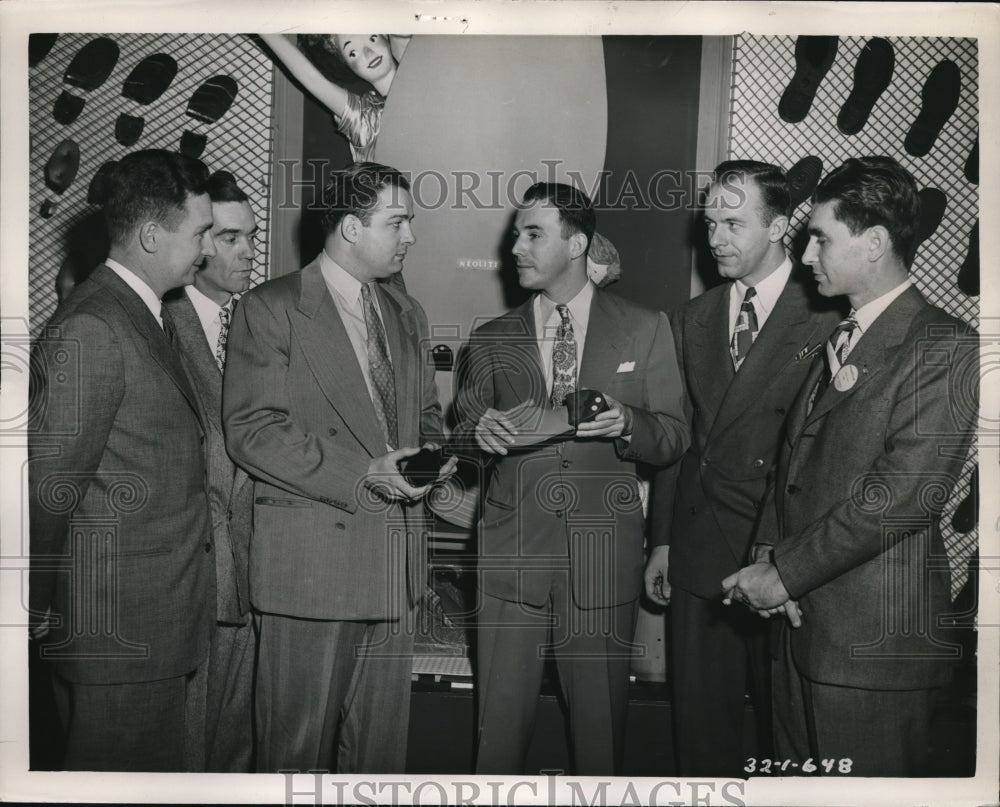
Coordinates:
202 313
326 390
875 442
121 540
744 350
561 535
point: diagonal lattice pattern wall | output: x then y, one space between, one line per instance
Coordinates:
762 69
239 141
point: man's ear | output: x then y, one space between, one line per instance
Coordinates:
777 228
148 233
350 226
577 245
878 242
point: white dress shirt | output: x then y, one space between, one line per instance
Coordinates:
139 286
346 292
768 292
208 312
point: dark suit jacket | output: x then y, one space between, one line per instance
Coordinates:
230 491
117 484
299 418
572 505
858 497
736 423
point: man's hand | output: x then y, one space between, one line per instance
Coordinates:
655 576
607 424
384 477
496 429
448 468
758 587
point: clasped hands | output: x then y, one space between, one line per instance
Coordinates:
760 589
497 430
385 478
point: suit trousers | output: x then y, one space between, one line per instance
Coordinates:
333 695
150 726
592 651
866 732
227 689
714 651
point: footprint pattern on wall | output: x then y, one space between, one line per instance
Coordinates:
814 56
209 103
87 71
146 83
938 100
872 74
60 171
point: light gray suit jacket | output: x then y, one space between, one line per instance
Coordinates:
299 418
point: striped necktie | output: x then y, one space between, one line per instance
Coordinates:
746 329
380 369
563 358
838 346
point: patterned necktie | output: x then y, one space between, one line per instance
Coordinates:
745 331
380 369
168 326
838 346
563 359
225 317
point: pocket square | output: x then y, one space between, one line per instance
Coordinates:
626 367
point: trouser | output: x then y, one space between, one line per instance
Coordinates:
333 695
592 653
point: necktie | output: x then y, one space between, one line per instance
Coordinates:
746 329
168 326
838 346
380 368
225 317
563 358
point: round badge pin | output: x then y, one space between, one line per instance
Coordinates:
846 378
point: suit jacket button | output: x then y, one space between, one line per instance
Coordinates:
694 510
340 525
758 463
779 411
208 546
558 513
565 463
793 489
704 462
756 505
331 431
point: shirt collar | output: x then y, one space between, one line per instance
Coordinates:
769 289
869 312
339 280
138 285
579 306
206 307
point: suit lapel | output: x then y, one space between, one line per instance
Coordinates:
327 349
519 359
873 350
602 350
788 331
709 356
156 340
195 351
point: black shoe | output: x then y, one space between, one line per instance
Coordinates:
939 99
813 57
872 74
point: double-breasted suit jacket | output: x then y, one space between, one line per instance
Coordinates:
572 506
858 495
737 420
121 539
299 418
230 491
